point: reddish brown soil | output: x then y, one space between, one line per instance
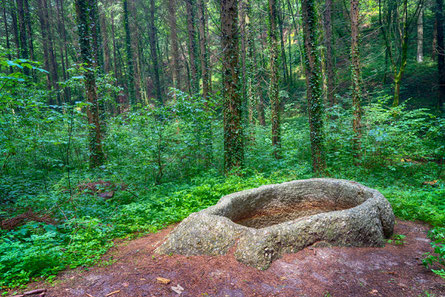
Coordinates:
272 216
394 270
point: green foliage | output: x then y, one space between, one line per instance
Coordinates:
437 236
397 239
162 169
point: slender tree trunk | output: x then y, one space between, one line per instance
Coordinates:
15 29
243 31
205 78
106 51
203 47
44 34
233 129
8 46
29 30
329 53
356 79
192 47
61 13
274 78
434 42
440 54
154 53
313 83
24 53
251 67
129 52
280 20
176 76
420 36
52 56
86 35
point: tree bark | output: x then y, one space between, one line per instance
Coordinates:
329 53
15 30
154 53
176 75
434 42
313 83
29 30
233 130
192 47
129 52
279 21
8 46
440 54
420 36
274 78
356 79
24 53
86 31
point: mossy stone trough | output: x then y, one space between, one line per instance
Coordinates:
265 222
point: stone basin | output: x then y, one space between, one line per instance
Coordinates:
263 223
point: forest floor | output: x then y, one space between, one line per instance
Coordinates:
131 269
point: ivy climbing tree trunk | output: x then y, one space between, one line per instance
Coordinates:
129 52
440 54
329 61
313 83
202 24
233 130
86 33
399 22
274 77
356 79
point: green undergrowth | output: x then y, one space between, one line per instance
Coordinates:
88 223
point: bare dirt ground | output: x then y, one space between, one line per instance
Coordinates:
394 270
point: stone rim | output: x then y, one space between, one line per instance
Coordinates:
212 231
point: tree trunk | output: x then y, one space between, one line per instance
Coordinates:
329 53
434 43
44 34
129 52
233 130
280 19
15 29
24 53
106 48
356 79
192 47
52 56
205 78
420 36
154 53
176 75
274 78
8 46
86 34
63 48
29 30
313 83
440 54
203 47
251 67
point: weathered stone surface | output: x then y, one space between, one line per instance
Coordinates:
322 212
